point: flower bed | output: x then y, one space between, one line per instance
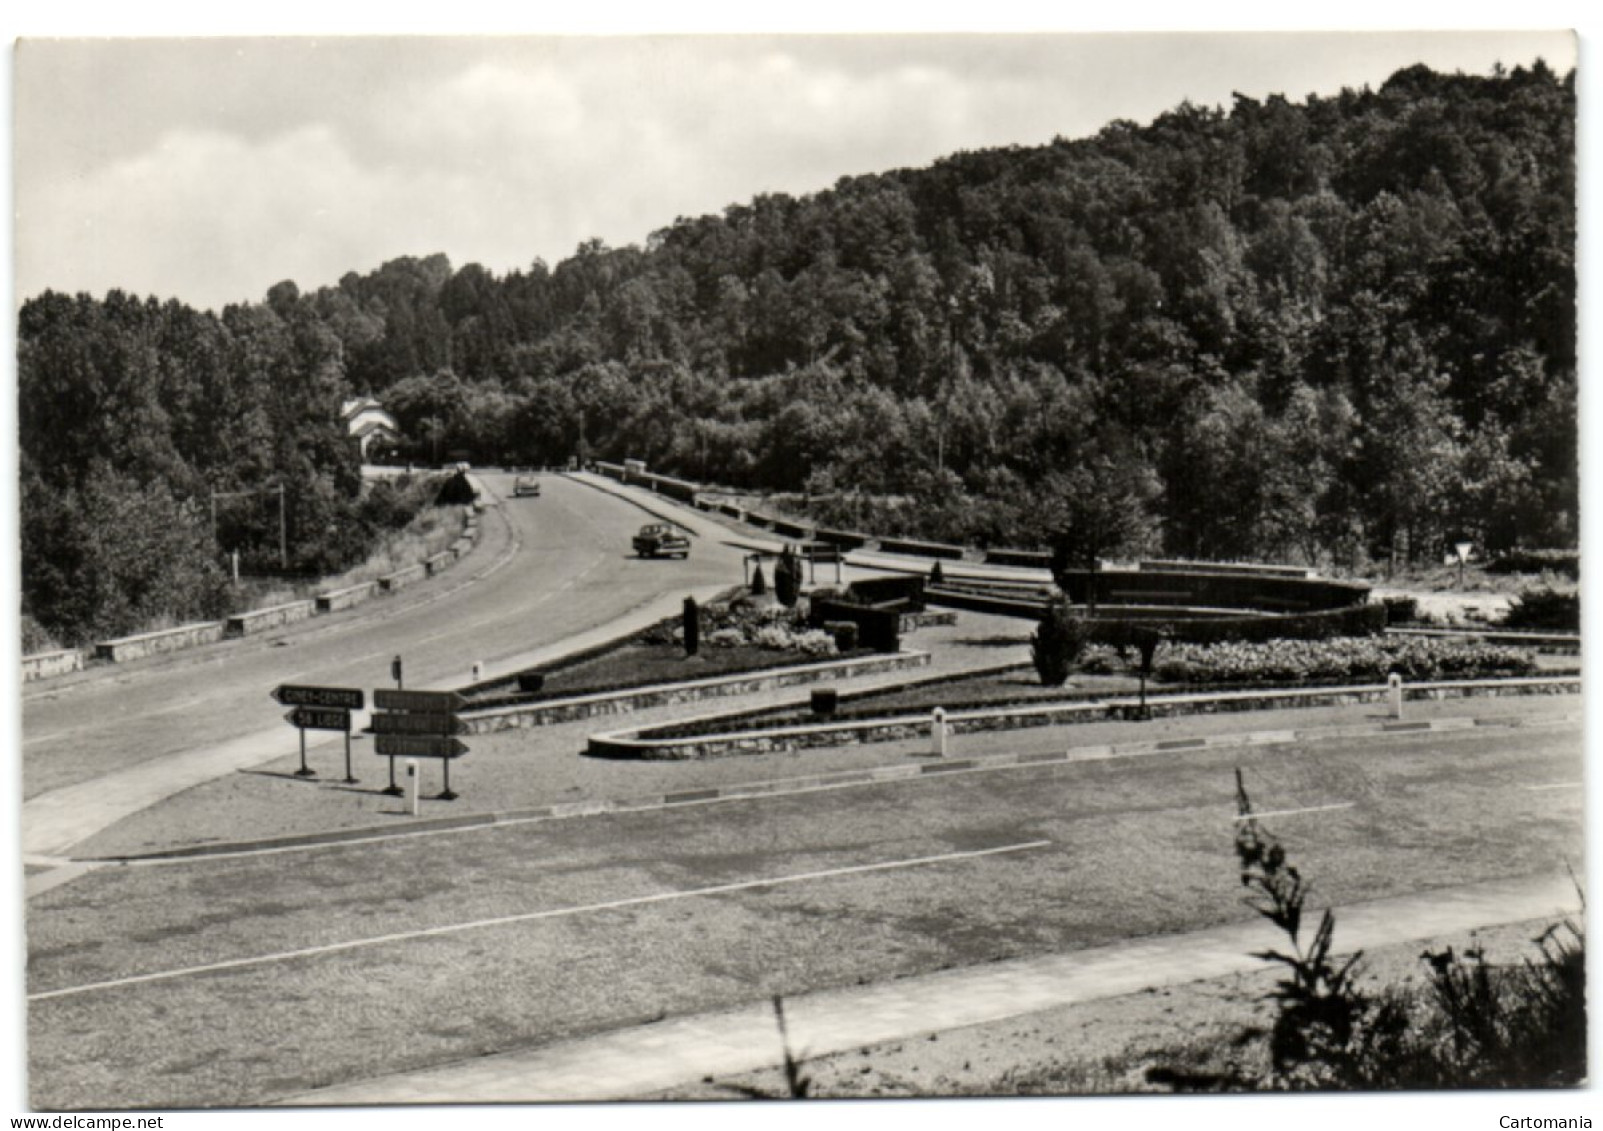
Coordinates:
1358 659
739 635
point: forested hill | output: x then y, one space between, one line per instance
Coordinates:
1278 329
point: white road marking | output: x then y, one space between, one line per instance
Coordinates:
1294 812
1556 785
531 916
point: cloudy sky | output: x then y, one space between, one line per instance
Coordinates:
209 169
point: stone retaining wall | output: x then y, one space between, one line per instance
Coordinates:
43 665
154 643
260 620
336 599
601 704
401 578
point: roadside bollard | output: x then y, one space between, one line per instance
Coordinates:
478 671
938 730
1394 694
414 786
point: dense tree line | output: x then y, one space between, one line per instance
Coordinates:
1341 329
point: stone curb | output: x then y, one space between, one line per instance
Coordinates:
600 704
838 779
636 742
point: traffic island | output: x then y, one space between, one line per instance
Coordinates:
687 740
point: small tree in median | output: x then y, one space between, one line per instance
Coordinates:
787 579
692 618
1059 640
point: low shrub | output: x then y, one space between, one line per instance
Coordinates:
1059 639
787 579
1566 562
1472 1025
907 588
845 634
1545 609
1362 660
1401 610
1357 620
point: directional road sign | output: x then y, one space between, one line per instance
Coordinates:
417 746
429 702
414 723
319 718
348 698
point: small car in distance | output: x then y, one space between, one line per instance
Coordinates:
525 485
659 539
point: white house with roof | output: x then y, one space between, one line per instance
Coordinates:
368 424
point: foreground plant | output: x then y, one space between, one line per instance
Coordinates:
1477 1025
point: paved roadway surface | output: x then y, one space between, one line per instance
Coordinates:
546 569
247 979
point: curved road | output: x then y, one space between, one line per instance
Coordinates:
96 745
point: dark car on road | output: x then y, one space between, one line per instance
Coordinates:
660 540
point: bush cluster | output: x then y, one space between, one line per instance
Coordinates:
744 622
1356 620
1367 660
1545 609
1059 640
1567 562
1472 1025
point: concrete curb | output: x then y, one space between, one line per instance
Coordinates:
601 704
838 779
637 742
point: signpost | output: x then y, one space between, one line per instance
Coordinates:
291 695
823 552
417 724
320 708
432 702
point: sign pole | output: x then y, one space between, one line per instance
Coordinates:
392 790
304 771
349 778
447 795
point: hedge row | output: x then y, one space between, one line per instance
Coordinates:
1236 569
879 629
1359 620
1367 660
905 588
1545 609
1221 591
1535 561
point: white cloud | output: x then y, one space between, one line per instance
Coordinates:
292 162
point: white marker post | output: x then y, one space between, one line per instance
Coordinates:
1394 694
938 730
414 786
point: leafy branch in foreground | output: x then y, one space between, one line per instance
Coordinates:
1476 1025
1321 1007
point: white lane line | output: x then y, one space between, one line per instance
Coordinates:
531 916
1556 785
1294 812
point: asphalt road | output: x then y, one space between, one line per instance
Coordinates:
236 980
546 568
